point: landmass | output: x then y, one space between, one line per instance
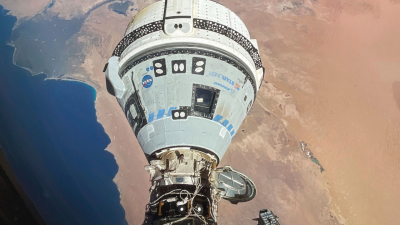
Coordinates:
338 65
22 9
332 81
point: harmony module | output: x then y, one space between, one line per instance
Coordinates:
186 74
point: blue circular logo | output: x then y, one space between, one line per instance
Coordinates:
147 81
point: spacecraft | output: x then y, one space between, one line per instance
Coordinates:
186 74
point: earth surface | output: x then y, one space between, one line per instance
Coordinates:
322 142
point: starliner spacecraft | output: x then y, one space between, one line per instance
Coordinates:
186 74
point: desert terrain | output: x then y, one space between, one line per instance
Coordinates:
332 81
24 9
338 61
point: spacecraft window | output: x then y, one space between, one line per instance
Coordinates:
179 114
204 100
178 66
198 65
160 68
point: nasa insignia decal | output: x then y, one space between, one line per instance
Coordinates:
147 81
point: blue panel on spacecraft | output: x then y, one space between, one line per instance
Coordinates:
225 123
160 113
170 111
151 117
218 118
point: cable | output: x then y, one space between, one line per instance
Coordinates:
156 201
198 188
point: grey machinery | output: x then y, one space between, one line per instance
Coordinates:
186 74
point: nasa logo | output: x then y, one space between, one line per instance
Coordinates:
147 81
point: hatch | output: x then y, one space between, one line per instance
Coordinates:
236 186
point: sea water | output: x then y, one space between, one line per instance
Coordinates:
54 144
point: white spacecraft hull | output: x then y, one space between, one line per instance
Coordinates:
186 74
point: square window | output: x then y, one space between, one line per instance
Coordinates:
204 100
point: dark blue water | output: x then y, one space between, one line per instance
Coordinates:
53 142
51 4
120 7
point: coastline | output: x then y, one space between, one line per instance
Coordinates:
62 78
132 179
50 130
126 150
111 118
22 20
65 78
123 145
21 17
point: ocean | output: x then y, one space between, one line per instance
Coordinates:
56 147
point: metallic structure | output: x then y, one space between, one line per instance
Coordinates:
267 218
186 74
